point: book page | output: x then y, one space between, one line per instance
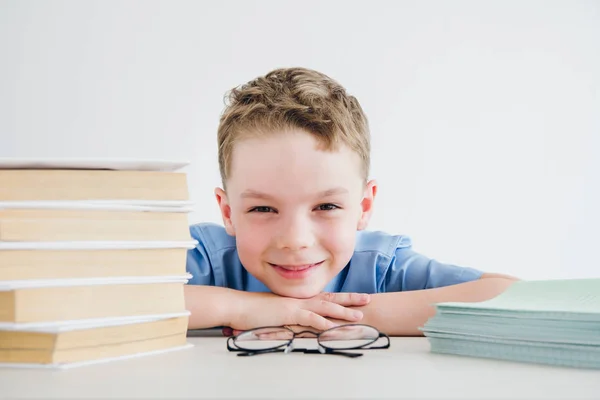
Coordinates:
81 324
109 205
97 245
571 295
115 280
123 164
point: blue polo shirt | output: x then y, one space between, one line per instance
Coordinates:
381 263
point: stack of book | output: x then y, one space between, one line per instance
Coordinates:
92 260
554 322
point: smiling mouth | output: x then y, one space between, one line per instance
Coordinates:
299 267
296 270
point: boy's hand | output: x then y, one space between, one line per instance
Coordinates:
345 331
267 309
295 328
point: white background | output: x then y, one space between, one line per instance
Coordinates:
485 115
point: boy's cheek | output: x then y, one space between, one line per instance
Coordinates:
340 236
251 239
340 244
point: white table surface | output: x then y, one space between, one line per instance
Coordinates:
207 370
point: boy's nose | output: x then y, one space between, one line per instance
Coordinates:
295 234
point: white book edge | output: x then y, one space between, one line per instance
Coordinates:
97 245
98 205
92 362
70 282
83 324
158 203
489 336
121 164
486 340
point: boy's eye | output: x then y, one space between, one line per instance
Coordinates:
327 207
262 209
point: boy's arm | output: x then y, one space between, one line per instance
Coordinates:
210 306
213 306
402 313
413 283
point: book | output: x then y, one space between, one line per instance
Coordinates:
51 343
104 358
548 321
28 179
91 263
56 184
91 225
92 260
73 299
93 352
555 354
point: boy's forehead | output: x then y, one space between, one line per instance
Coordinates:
289 160
289 147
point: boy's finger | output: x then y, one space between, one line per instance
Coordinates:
346 299
333 310
269 333
274 336
313 320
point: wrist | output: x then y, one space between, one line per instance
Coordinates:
237 307
212 306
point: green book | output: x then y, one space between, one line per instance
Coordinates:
553 322
575 299
539 353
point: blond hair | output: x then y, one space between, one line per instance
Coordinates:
293 98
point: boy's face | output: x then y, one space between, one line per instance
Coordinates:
294 210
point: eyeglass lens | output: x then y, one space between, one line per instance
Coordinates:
342 337
263 338
348 337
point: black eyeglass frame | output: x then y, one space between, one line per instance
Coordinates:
287 347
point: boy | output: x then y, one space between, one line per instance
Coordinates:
296 199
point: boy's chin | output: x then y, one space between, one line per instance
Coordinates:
299 292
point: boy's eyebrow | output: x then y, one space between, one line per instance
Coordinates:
333 191
247 194
253 194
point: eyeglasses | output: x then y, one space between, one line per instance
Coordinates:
333 341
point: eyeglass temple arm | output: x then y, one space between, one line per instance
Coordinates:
305 351
246 353
383 346
331 352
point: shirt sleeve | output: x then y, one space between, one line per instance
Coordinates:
410 270
198 262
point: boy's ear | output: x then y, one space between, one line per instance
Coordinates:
366 204
225 210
